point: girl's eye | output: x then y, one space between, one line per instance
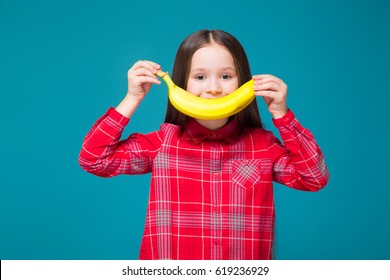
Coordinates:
226 76
200 77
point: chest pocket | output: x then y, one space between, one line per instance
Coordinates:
248 173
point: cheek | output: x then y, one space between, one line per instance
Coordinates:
193 88
231 87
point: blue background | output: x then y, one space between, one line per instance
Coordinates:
63 63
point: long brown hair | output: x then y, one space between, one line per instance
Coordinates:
248 117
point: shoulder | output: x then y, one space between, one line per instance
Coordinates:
170 129
259 133
262 140
166 131
152 141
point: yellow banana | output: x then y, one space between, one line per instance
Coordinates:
208 108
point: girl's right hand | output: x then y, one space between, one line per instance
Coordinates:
140 78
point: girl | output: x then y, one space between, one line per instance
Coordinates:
211 193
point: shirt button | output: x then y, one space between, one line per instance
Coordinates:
216 209
216 242
213 136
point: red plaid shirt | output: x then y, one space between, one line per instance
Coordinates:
211 194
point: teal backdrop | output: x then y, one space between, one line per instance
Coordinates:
63 63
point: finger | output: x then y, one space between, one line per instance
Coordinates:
270 85
266 78
143 72
141 76
150 65
154 64
266 93
147 79
261 76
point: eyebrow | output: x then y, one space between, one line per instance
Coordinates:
202 69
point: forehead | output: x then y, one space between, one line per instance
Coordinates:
212 54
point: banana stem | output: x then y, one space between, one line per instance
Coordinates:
167 79
161 74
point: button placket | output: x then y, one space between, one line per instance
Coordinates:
215 199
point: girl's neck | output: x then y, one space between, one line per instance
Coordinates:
213 124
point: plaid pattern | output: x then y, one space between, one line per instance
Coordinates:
211 194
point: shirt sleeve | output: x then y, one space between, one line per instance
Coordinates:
104 154
302 164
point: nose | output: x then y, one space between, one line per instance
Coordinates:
214 89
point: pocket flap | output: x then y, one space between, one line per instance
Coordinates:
246 173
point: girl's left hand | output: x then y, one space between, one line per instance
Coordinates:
274 92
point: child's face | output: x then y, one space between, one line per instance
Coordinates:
212 73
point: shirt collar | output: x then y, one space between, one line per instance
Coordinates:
199 133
